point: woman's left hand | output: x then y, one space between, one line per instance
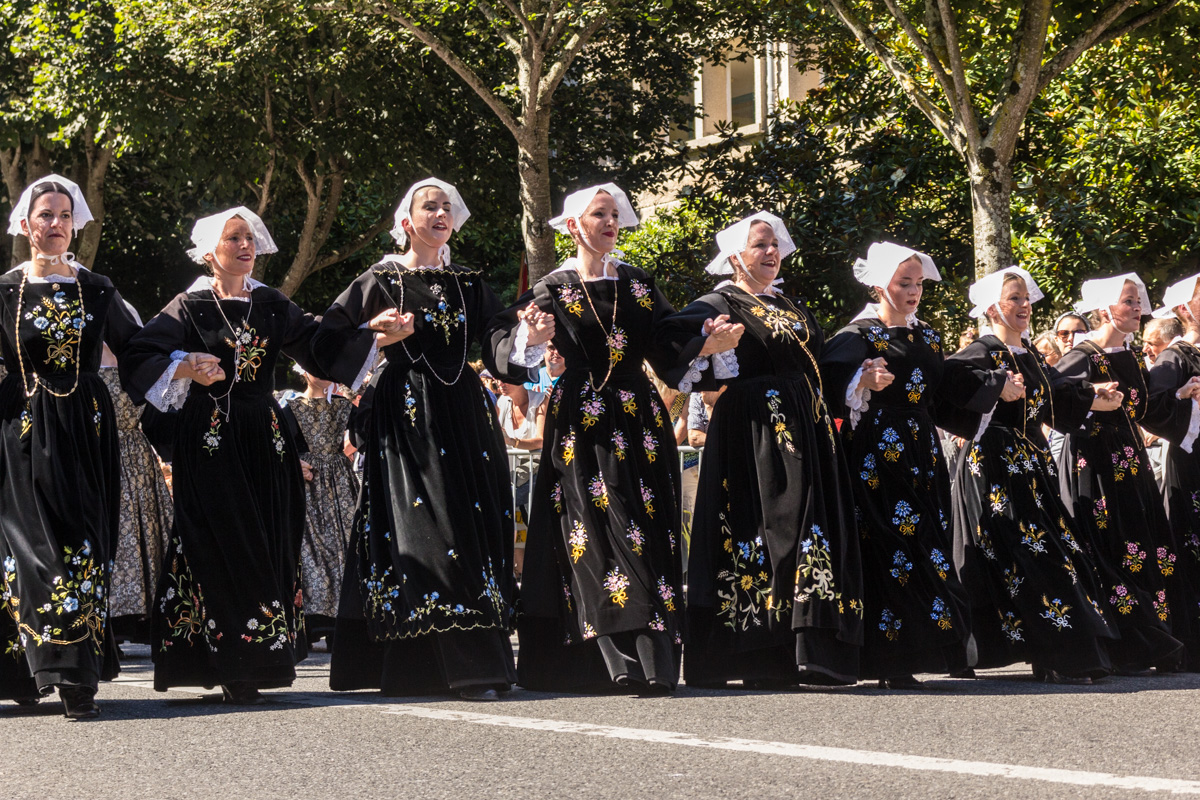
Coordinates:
306 470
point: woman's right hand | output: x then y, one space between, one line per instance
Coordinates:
203 368
1108 397
875 375
391 326
1014 388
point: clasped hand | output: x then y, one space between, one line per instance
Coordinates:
391 326
1108 397
875 375
203 368
1014 387
1190 390
721 335
541 324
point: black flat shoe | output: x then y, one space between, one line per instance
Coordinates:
1050 676
479 694
27 701
241 693
79 702
963 673
900 682
1133 673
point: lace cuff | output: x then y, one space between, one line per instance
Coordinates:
983 424
695 369
368 363
725 365
857 397
168 393
1193 429
522 354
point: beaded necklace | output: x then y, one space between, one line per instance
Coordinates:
37 381
399 281
237 352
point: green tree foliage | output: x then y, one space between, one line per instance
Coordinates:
1106 181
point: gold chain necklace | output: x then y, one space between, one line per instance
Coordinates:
37 381
608 335
820 409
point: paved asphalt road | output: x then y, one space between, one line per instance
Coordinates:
1001 736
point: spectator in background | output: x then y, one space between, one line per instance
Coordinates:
522 416
699 413
1047 344
1067 330
555 365
969 334
1157 334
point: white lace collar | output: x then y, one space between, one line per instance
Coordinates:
572 265
771 291
53 277
393 258
205 282
871 311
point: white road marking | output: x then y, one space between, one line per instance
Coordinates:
814 752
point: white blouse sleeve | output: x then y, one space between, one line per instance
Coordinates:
522 354
167 392
857 398
1193 428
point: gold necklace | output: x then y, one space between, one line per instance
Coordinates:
608 335
37 381
820 409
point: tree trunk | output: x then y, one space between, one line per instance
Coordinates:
99 157
36 166
10 171
991 212
533 168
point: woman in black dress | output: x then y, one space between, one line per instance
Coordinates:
427 599
1034 592
1108 484
59 462
601 600
228 609
886 369
1174 368
774 580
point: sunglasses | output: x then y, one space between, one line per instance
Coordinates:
1067 335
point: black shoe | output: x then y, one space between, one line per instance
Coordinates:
479 694
1133 672
27 701
900 682
1050 676
963 673
79 702
242 693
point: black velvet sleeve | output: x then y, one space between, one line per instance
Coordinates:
297 340
500 336
339 346
147 354
1070 381
1166 415
841 358
685 328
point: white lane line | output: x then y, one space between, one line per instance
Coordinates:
814 752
